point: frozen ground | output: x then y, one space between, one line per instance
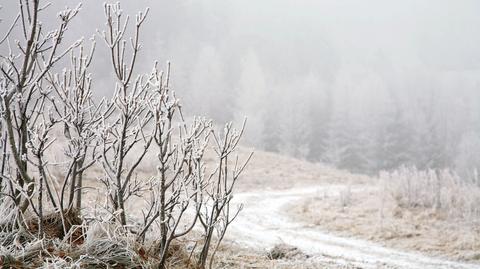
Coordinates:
274 187
264 222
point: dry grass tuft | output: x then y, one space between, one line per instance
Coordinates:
56 224
441 190
435 212
284 251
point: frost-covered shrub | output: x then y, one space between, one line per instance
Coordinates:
434 189
45 112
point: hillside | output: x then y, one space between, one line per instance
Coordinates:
338 218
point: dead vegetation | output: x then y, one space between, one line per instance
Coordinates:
440 190
54 136
284 251
434 212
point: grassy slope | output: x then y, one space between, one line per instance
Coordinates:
358 214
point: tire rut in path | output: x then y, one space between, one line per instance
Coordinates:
264 223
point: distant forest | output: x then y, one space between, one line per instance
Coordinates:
354 93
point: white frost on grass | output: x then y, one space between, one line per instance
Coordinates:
264 223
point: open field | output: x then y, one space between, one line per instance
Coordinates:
339 220
348 219
302 215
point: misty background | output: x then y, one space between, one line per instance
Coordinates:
362 85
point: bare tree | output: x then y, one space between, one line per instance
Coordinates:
180 182
74 106
129 115
38 144
23 71
216 214
142 115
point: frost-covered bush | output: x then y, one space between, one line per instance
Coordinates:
44 110
434 189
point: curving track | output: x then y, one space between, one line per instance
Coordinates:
264 223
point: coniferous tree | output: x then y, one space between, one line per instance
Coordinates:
394 142
251 94
209 95
319 116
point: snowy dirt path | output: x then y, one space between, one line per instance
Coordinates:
264 223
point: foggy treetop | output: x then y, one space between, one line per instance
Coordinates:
364 85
